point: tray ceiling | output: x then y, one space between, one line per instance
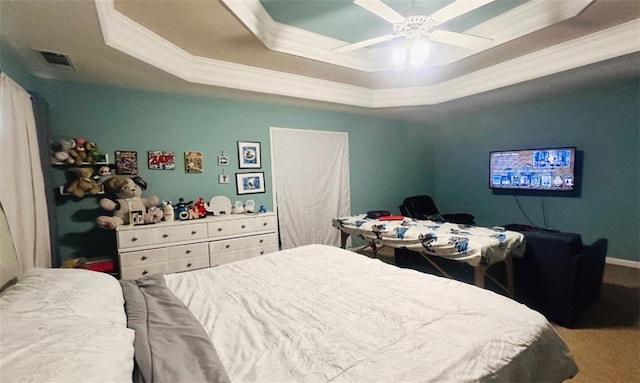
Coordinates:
287 47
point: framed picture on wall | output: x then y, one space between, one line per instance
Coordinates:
250 183
126 162
162 160
249 155
193 162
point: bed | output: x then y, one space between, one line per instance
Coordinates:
314 314
480 247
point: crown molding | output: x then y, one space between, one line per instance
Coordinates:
524 19
123 34
295 41
528 18
607 44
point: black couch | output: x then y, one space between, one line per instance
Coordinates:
558 275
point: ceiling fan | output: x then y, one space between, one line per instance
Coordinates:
415 27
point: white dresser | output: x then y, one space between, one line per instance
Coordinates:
170 247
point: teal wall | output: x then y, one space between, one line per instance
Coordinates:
389 160
603 123
383 161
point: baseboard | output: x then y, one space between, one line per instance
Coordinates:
623 262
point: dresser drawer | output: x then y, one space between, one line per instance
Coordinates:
234 244
193 232
134 272
143 257
179 233
232 227
188 251
261 223
134 238
166 234
192 263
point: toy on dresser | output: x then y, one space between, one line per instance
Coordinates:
126 201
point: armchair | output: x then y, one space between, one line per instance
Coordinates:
423 207
558 274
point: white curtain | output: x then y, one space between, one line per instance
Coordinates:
311 184
22 191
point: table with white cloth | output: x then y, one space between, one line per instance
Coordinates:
477 246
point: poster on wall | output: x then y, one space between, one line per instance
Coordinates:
193 162
160 160
126 162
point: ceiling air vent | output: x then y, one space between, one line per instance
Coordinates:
57 59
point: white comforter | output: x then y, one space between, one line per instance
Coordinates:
319 313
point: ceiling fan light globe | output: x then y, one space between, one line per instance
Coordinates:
418 53
399 56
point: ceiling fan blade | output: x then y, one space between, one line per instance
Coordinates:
461 39
381 9
458 8
365 43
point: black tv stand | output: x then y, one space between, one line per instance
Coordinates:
527 228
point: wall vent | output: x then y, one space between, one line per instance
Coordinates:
57 59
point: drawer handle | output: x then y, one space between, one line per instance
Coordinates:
194 232
262 252
243 226
189 264
133 239
227 246
262 240
219 229
165 235
188 251
145 272
143 258
264 224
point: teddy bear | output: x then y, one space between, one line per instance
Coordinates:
82 183
78 152
126 198
60 151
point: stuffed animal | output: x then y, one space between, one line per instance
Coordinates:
93 154
201 208
60 151
104 173
78 151
83 183
154 215
127 198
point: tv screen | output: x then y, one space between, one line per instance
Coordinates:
545 169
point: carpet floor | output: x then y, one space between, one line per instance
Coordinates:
606 340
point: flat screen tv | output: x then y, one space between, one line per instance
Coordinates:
544 169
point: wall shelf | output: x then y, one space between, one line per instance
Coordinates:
61 192
100 163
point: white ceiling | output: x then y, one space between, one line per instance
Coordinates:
235 48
